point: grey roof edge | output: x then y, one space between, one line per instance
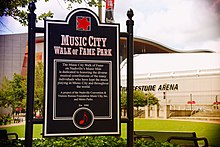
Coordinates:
169 49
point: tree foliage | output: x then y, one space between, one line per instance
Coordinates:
16 85
139 98
18 9
151 99
4 92
12 92
123 99
39 87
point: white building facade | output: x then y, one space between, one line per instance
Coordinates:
186 81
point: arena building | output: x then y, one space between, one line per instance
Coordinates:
182 81
13 51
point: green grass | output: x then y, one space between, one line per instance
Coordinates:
208 130
20 130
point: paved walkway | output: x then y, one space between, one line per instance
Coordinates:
13 124
215 120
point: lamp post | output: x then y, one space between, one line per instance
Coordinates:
191 100
165 109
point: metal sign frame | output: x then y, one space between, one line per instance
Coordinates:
81 47
32 30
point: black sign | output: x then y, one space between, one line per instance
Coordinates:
81 76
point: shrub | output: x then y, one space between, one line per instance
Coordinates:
4 120
84 141
145 143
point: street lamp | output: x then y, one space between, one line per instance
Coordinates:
191 102
165 109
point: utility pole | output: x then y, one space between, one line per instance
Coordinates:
100 10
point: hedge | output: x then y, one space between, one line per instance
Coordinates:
85 141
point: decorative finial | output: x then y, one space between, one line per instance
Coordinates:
32 7
130 14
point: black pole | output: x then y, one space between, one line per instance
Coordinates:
130 52
30 75
191 101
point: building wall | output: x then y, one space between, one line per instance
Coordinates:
12 51
38 57
202 87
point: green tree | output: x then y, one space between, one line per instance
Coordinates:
18 10
12 92
123 101
4 92
139 98
151 99
39 87
24 87
17 94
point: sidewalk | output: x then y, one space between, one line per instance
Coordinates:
14 124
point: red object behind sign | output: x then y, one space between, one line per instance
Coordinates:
191 102
110 4
217 103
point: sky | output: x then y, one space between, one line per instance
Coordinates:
182 25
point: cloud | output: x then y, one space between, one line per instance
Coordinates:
211 45
179 24
9 26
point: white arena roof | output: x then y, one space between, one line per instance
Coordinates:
173 64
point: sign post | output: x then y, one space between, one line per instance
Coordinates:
30 76
81 76
81 60
130 79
